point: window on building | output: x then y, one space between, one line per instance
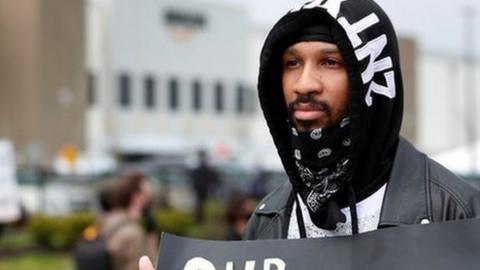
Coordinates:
150 92
197 96
174 94
240 99
91 89
251 102
219 97
125 91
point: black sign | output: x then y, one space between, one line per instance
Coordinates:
453 245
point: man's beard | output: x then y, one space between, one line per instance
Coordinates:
309 101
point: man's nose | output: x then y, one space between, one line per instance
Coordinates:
309 82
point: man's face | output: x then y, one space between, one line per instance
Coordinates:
315 85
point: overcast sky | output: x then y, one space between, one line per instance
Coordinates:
438 25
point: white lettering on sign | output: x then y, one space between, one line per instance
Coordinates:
332 6
250 265
199 263
278 263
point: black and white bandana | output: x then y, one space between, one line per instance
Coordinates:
321 158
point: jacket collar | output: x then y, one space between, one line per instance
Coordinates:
404 202
405 198
277 201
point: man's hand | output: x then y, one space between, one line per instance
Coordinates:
145 264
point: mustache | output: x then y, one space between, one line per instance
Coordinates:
311 103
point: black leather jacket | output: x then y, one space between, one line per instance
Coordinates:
419 190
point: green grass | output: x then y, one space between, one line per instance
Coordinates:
16 241
20 250
214 225
37 261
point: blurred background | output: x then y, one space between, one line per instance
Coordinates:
91 90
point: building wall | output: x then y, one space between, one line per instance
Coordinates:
42 73
198 42
409 56
62 72
445 101
18 39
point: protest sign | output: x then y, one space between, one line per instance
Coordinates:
442 246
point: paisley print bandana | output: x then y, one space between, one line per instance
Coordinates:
321 158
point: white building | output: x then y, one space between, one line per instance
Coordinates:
446 106
448 110
168 77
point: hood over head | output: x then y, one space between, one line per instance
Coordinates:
368 43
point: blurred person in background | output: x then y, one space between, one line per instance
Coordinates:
91 252
204 180
126 239
239 210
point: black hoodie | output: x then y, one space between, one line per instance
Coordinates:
368 43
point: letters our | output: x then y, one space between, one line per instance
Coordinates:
199 263
268 263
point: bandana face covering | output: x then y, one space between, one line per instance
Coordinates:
322 162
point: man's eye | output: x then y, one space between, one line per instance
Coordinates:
332 63
291 63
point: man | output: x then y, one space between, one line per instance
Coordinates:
331 90
125 239
336 127
204 180
238 212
